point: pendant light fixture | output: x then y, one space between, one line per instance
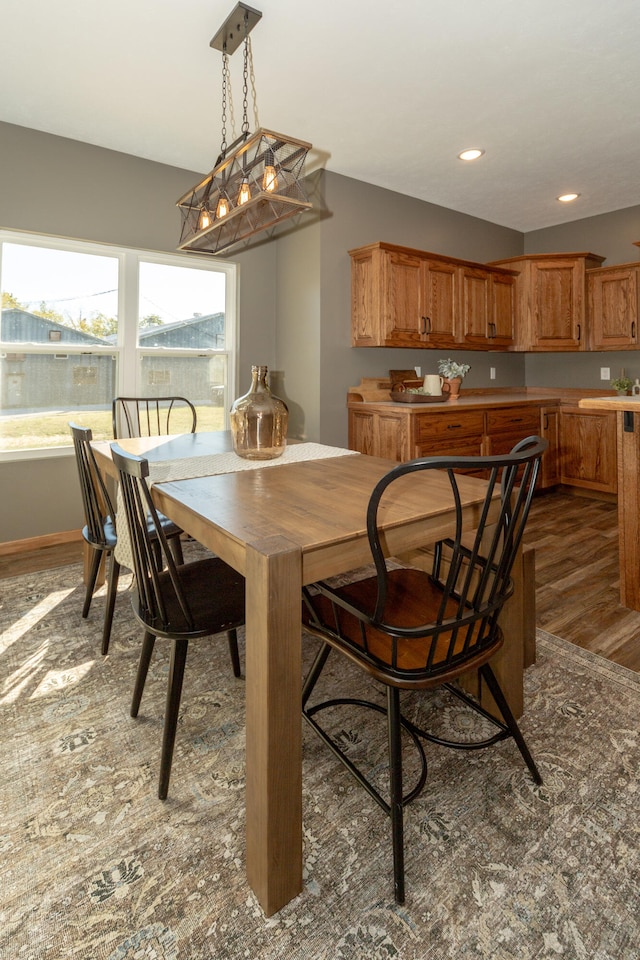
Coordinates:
257 180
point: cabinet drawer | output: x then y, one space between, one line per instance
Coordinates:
514 420
449 426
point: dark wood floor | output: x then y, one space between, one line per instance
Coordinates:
576 541
577 577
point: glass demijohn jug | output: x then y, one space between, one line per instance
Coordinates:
259 421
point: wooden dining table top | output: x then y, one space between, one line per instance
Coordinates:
319 505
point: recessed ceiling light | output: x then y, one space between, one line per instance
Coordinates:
471 154
568 197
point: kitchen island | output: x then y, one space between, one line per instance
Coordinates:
627 410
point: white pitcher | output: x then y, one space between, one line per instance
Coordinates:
433 384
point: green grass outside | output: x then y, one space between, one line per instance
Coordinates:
34 431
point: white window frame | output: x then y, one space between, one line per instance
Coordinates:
127 353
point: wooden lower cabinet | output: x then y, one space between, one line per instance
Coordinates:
582 442
588 449
402 435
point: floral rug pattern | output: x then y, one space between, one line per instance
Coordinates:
94 866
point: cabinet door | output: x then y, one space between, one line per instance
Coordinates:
557 304
613 307
404 324
439 303
503 310
475 305
588 449
366 282
379 434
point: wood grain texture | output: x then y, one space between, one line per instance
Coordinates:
576 574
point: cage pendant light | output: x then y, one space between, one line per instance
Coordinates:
257 180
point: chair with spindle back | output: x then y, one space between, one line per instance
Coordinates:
152 416
412 630
99 531
180 603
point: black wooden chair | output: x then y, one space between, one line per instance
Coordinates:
100 527
179 603
152 416
412 630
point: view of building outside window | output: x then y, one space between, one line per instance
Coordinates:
80 325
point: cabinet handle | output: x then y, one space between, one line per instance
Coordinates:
492 330
579 333
516 419
453 426
426 325
546 421
633 329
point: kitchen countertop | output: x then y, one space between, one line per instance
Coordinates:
469 402
615 404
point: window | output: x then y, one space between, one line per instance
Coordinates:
130 322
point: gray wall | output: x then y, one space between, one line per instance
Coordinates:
610 235
294 292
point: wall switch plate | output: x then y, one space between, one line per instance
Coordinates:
605 373
418 371
492 373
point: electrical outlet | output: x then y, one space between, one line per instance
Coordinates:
492 373
605 373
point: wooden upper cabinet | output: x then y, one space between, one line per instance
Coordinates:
551 300
613 306
402 298
487 307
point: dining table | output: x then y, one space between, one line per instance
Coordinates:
282 524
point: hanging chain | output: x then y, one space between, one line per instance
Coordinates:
232 117
252 77
225 75
245 77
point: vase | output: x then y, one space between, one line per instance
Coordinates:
454 387
259 421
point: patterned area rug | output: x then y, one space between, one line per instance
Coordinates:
95 866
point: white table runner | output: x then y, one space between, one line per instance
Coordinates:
163 471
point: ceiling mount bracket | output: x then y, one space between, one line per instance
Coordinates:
232 32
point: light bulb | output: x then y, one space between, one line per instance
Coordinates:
205 218
269 180
245 193
223 207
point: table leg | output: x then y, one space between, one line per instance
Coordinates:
629 508
274 725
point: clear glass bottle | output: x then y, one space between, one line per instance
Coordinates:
259 421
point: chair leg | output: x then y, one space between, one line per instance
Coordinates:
314 674
175 545
232 636
96 557
114 576
395 783
148 643
174 692
499 697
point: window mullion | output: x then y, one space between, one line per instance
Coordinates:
129 365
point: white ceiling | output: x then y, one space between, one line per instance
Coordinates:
387 93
